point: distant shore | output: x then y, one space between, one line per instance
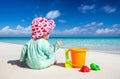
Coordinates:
106 44
102 51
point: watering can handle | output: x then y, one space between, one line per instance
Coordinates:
66 54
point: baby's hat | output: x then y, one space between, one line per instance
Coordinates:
41 26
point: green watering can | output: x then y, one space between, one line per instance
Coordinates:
68 63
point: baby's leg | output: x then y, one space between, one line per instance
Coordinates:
47 63
55 62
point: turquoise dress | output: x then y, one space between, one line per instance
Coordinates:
39 54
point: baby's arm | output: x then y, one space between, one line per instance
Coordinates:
57 45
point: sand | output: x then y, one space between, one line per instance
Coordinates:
11 69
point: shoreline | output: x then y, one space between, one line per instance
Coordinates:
102 51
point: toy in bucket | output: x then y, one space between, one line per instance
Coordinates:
78 56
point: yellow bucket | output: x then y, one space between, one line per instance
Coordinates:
78 57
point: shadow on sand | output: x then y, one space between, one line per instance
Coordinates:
60 64
17 62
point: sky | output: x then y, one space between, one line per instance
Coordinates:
73 18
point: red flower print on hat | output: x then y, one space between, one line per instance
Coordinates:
41 26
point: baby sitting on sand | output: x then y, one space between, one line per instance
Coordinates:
38 53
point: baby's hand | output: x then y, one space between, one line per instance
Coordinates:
60 42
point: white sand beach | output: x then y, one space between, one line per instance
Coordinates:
11 69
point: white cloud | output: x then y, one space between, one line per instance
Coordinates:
114 29
109 9
75 31
85 30
116 26
66 31
105 31
88 30
5 28
61 21
85 8
18 31
19 27
100 24
53 14
72 31
94 24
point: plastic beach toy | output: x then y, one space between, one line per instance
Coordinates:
84 69
78 56
94 66
68 63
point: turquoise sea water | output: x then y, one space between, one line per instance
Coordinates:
96 43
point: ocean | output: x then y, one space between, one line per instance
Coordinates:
92 43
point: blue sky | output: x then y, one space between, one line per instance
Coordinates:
74 18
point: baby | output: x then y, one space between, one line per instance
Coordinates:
38 53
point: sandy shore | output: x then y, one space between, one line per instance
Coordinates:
10 68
